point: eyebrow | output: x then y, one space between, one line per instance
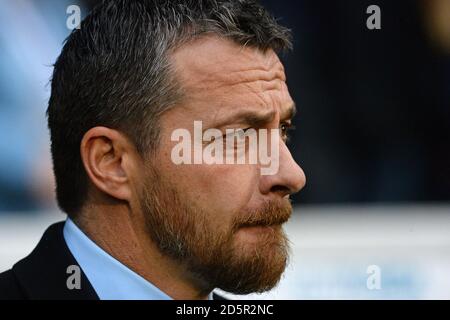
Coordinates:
255 119
289 113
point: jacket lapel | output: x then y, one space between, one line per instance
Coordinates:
45 272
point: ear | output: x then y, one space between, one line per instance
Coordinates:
108 158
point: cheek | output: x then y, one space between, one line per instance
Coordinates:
227 186
219 189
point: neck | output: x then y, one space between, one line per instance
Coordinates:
113 230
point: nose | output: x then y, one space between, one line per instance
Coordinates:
289 178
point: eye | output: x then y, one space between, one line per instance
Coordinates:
285 127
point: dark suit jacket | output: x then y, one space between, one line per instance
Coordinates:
42 275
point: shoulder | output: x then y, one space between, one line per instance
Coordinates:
9 287
42 275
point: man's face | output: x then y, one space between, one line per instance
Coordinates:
223 221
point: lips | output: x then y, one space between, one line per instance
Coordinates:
261 225
269 215
271 221
258 229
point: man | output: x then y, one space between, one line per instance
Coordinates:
140 225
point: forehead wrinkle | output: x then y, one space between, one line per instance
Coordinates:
204 70
211 80
223 76
265 91
252 66
264 97
255 103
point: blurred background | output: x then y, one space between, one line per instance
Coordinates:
373 137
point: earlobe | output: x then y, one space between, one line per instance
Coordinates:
103 151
